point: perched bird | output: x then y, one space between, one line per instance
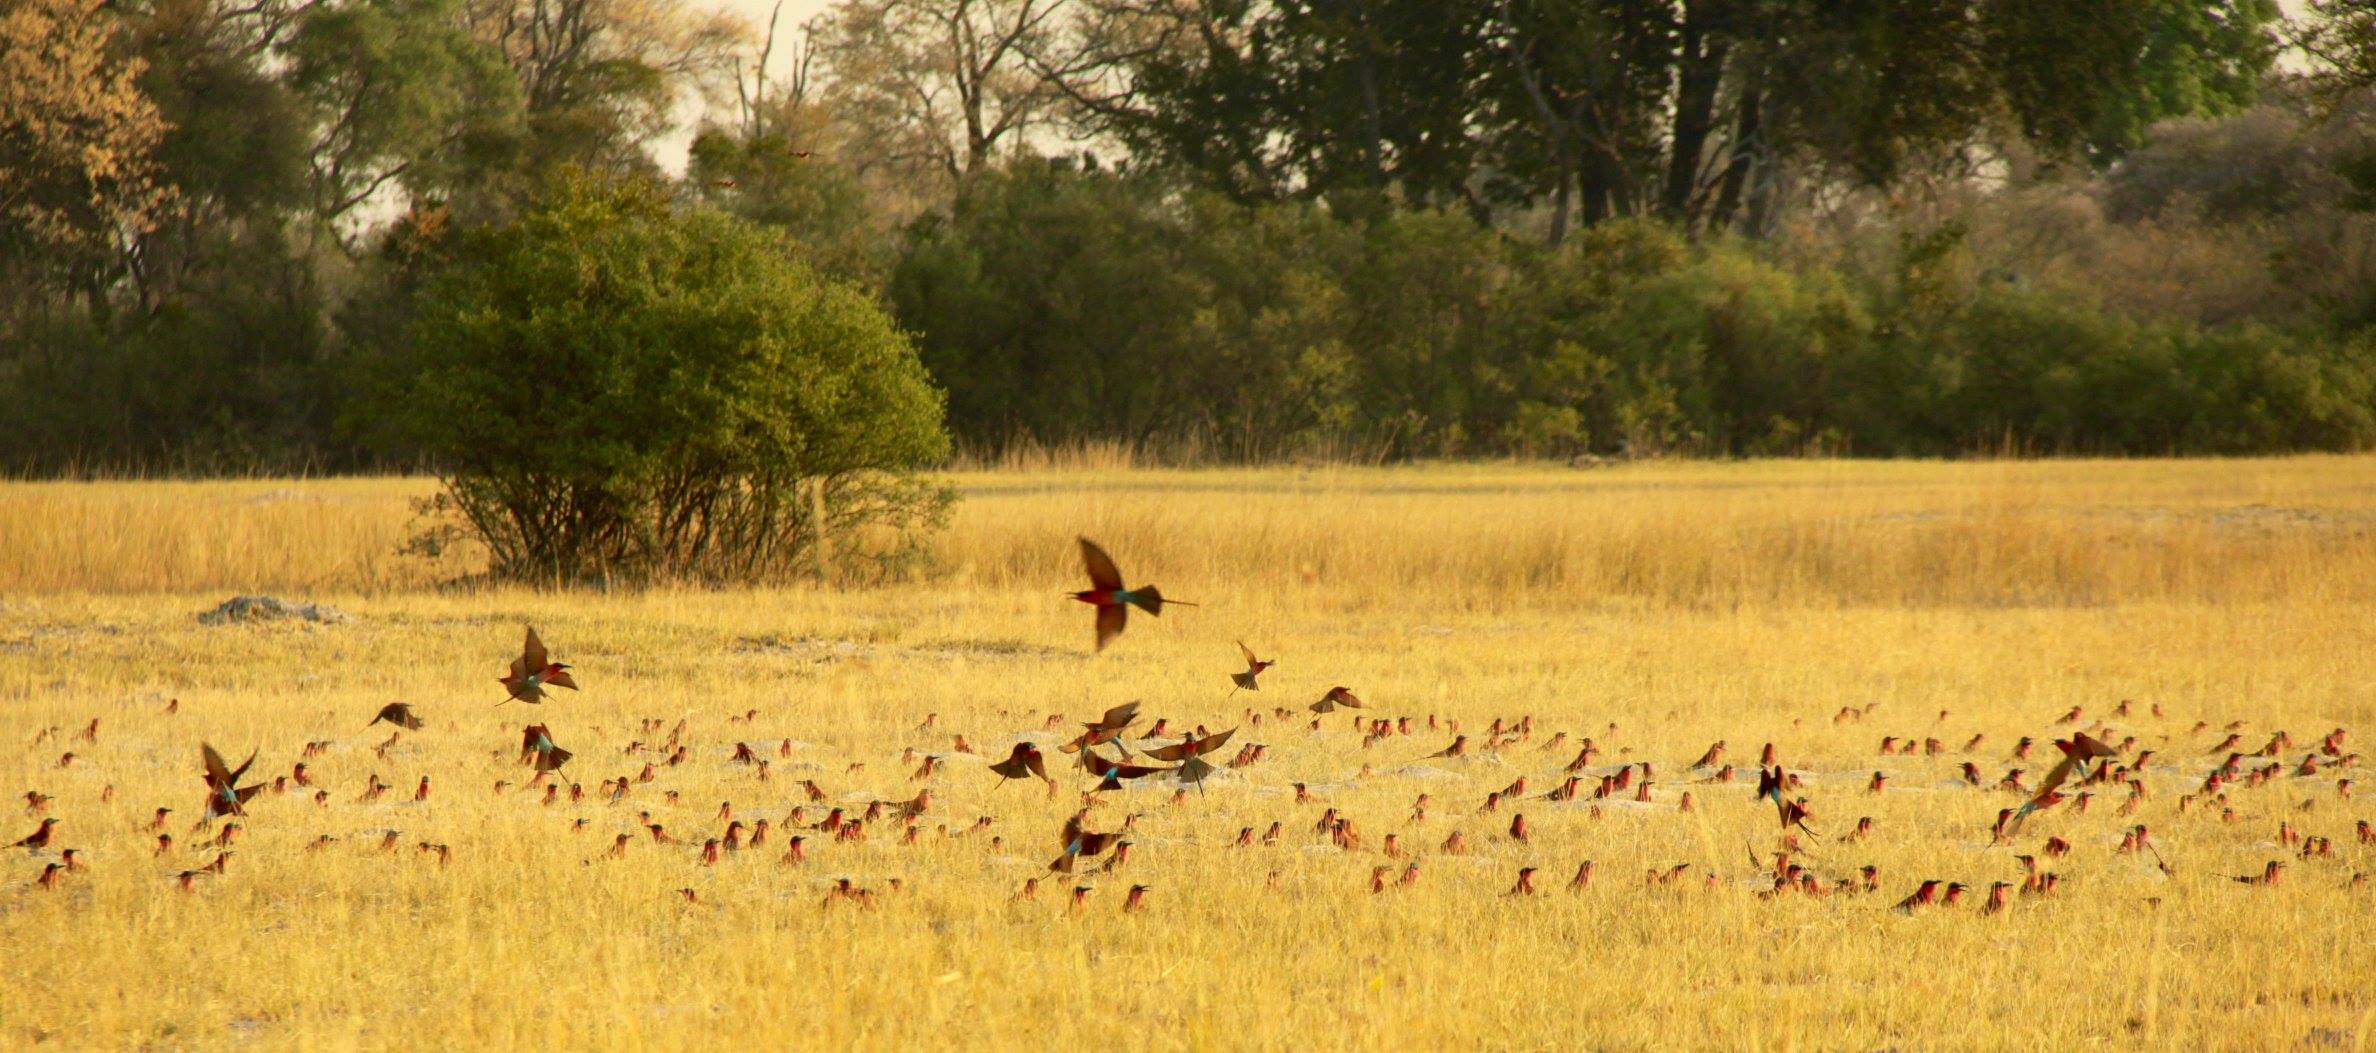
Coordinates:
224 794
1336 696
534 671
39 838
1112 600
1137 900
1025 760
399 714
2267 876
1923 896
1459 747
1254 668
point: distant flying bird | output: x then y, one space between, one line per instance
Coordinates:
1336 696
1025 760
1112 600
534 671
399 714
1254 668
224 795
537 749
1107 728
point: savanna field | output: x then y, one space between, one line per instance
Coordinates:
1653 608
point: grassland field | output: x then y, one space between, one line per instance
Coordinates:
1656 608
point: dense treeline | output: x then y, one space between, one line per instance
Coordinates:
1377 228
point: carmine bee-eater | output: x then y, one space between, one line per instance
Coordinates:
1112 600
1025 760
224 795
1111 773
39 838
1254 667
534 671
1336 696
1189 755
1107 728
399 714
1925 895
1712 758
537 749
2079 751
1080 842
2267 876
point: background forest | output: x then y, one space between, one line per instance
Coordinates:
1239 229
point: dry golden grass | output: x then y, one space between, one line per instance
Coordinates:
1654 607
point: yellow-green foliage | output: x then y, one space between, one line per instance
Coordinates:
1654 608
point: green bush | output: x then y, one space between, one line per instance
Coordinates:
612 390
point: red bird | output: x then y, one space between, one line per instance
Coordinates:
1111 773
1336 696
1112 600
1254 668
399 714
1107 728
534 671
1080 842
1189 755
537 748
2267 876
1025 760
38 839
1924 896
224 795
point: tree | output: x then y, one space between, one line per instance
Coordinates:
1699 111
2339 36
597 78
939 89
78 138
612 390
403 95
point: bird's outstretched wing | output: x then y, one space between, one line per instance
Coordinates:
1102 572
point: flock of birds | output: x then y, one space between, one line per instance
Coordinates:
2089 765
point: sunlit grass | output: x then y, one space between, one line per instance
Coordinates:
1656 608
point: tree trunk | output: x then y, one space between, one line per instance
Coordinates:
1747 138
1699 71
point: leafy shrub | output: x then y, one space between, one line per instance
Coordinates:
613 390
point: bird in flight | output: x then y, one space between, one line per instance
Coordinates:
534 671
1254 668
224 795
1025 760
2079 751
399 714
1111 773
1080 843
1112 600
1107 728
1336 696
537 748
1189 755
